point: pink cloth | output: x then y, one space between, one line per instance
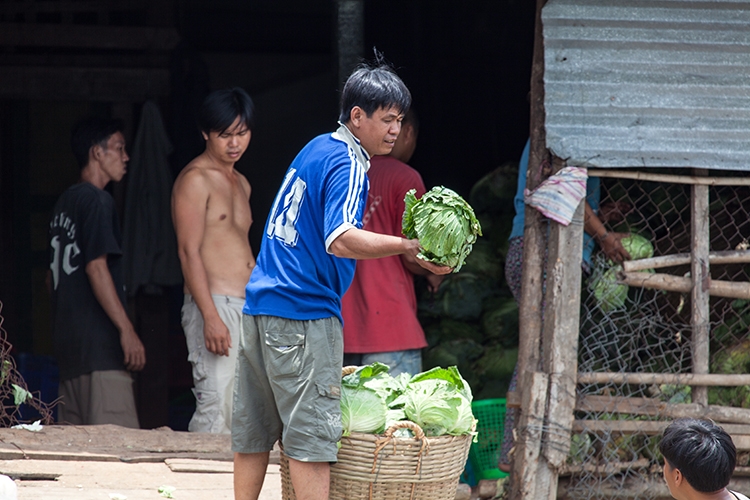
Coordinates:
558 196
380 307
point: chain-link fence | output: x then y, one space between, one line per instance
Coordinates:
639 330
14 393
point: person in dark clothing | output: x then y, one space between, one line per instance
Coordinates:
95 343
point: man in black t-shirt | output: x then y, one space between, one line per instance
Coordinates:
95 342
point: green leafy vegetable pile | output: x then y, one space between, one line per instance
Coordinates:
444 223
438 400
608 292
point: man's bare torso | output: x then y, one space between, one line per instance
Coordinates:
225 248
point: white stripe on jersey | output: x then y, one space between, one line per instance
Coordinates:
356 183
359 163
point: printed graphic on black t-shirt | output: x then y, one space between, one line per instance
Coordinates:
83 227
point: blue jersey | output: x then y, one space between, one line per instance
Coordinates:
323 195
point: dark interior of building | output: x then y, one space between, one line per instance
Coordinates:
467 67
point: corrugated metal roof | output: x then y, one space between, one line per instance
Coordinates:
648 84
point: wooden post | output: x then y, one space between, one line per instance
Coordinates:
560 340
529 429
533 399
530 303
700 273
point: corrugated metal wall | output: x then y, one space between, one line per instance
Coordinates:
648 84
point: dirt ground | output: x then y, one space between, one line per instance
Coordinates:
109 462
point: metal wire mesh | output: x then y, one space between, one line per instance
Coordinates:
633 329
14 389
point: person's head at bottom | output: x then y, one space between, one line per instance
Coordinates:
699 459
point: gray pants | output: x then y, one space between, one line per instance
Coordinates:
213 375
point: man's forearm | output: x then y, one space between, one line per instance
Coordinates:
196 281
106 294
591 223
360 244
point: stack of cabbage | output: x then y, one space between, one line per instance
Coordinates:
609 293
438 400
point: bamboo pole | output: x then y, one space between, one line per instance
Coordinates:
649 427
669 178
657 408
607 469
680 259
670 283
707 379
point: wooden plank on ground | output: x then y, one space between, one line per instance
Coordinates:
187 465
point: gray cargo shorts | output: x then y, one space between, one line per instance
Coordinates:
288 387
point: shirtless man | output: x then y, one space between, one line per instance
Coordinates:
212 217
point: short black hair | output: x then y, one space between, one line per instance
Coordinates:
371 87
222 107
412 119
702 451
89 132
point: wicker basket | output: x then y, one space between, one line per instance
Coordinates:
383 467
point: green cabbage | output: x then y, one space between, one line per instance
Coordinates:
432 404
362 410
363 401
638 247
608 292
438 400
444 223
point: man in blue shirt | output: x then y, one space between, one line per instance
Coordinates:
288 382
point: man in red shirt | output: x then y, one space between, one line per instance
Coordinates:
380 307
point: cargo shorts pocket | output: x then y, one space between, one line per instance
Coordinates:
286 352
328 410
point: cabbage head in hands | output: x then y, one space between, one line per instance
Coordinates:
445 225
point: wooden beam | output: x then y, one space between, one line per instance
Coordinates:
605 469
560 335
106 84
681 259
657 408
672 179
709 379
87 36
648 427
147 59
661 281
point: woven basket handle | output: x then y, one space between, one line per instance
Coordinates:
405 424
348 370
